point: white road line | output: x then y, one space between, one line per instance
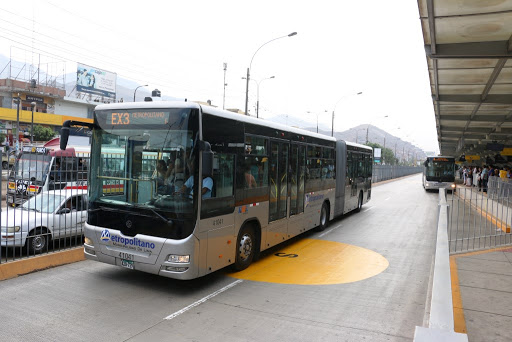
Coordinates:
387 198
369 208
202 300
327 232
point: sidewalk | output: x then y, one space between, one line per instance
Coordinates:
482 280
482 288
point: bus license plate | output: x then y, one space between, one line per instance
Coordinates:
127 263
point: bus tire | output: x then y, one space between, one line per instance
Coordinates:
360 202
38 240
5 165
245 248
324 217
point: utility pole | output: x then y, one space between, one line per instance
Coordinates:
225 84
367 128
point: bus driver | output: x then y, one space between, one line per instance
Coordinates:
206 190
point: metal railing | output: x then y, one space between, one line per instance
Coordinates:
44 208
441 319
385 172
478 219
499 188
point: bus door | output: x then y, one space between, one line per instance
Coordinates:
351 181
296 184
278 201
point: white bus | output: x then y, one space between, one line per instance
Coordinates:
261 184
47 167
439 173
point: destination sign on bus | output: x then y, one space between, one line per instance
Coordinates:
441 159
137 118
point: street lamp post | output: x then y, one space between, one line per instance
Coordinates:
357 134
135 92
33 105
332 127
249 68
17 100
258 93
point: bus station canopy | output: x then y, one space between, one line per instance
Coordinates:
468 44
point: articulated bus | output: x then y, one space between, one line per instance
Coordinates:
261 183
42 168
439 173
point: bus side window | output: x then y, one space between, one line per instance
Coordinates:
222 200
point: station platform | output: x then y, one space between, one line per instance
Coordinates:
482 280
482 294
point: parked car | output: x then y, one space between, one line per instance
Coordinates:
48 216
8 160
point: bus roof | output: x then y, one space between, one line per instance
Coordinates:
212 111
358 145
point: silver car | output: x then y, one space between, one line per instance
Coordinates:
50 215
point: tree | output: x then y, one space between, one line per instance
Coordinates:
43 133
387 157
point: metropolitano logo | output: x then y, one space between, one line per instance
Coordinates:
105 235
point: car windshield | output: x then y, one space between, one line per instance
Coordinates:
33 166
44 202
141 159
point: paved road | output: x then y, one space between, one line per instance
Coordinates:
98 302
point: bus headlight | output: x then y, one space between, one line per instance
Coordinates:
453 186
179 259
88 241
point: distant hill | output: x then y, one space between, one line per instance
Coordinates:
375 135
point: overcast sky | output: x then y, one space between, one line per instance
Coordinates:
179 47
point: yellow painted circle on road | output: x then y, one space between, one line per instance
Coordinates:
315 262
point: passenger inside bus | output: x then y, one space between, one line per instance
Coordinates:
55 174
161 171
250 181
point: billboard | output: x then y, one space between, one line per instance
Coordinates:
95 81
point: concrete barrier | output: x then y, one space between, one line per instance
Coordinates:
441 322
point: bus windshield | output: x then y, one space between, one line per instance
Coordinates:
32 166
440 170
140 159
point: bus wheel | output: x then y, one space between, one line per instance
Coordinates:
245 248
5 165
324 217
38 241
360 201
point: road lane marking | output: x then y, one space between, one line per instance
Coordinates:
202 300
327 232
369 208
387 198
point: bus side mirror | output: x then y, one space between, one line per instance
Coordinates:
425 163
64 134
64 211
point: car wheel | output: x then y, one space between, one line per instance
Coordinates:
38 241
245 248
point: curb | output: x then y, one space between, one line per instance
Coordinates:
17 268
